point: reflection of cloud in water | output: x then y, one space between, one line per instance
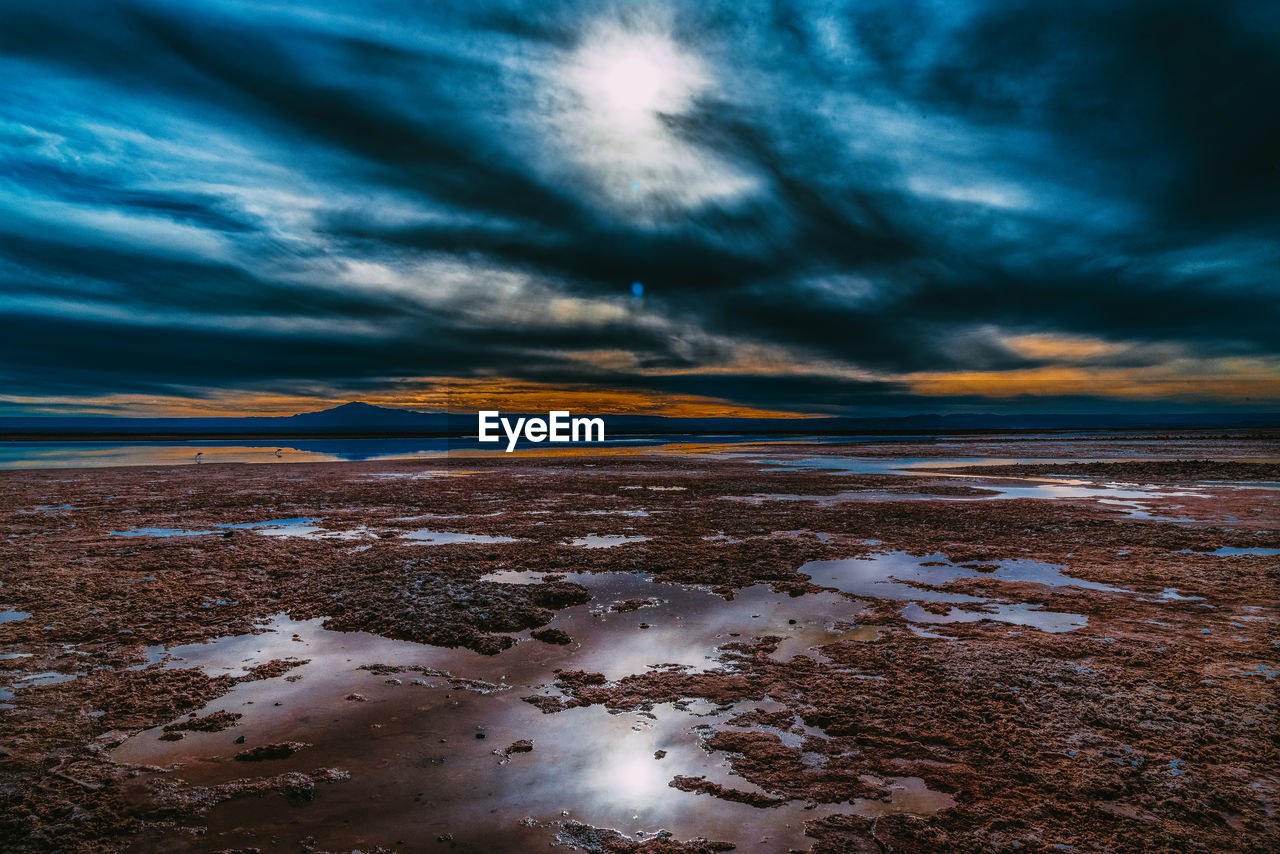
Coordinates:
1017 613
1126 496
687 626
1231 551
896 576
605 541
417 732
299 526
427 537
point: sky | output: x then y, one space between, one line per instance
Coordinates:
685 208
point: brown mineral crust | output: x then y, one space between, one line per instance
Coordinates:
548 705
958 733
852 834
213 722
584 837
56 771
762 756
758 717
166 797
271 669
552 636
628 605
574 679
446 612
706 787
49 721
265 752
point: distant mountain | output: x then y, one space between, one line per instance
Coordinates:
357 414
363 419
353 418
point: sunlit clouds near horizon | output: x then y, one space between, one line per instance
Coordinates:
746 209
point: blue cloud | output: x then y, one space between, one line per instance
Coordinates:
227 195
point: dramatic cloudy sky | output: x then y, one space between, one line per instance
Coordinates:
879 206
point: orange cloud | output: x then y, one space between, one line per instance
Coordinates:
1215 379
471 395
428 394
1063 347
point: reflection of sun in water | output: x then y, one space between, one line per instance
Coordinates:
621 90
637 779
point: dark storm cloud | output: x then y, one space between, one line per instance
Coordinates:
224 196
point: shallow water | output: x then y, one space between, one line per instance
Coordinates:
880 575
13 616
1016 613
1226 551
428 537
418 769
305 528
896 576
299 526
1171 594
48 455
1120 496
605 541
681 625
1129 497
159 532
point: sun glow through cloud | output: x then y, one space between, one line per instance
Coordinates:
630 81
618 96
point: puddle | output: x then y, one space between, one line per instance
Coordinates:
675 624
1017 613
446 516
605 541
906 795
1125 496
1226 551
409 475
1114 495
800 534
721 538
418 769
426 537
13 616
895 576
657 488
50 677
889 575
159 532
1171 594
921 632
805 637
300 526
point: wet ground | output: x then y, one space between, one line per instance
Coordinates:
779 647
